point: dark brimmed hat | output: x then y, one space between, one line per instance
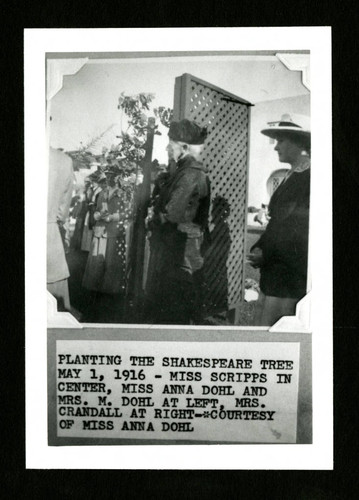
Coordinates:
101 178
97 176
112 170
293 123
187 131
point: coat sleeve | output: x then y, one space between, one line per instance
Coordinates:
185 193
99 199
286 236
65 201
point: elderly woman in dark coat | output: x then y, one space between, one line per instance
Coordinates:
282 251
181 218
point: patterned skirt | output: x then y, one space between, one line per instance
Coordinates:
106 265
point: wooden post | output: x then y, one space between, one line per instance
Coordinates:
144 194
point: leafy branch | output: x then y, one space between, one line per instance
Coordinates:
165 115
125 158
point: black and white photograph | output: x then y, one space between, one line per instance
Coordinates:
181 250
161 189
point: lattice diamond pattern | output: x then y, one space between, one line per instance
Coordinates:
225 156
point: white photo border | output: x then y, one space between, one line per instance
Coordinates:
38 42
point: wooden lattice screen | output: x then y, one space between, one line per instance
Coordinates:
226 158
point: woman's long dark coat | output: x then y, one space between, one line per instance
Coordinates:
176 260
285 241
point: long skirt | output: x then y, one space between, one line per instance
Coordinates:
76 239
106 265
178 300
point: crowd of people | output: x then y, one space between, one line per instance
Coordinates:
178 233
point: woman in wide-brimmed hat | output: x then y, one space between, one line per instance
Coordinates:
282 251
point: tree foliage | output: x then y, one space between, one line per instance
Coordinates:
164 114
125 158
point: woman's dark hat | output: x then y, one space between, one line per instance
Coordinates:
293 123
97 176
112 170
101 178
187 131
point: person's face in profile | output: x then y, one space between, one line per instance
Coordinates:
174 150
287 150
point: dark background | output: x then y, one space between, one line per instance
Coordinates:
305 485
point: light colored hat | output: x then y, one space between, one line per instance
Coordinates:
293 123
94 163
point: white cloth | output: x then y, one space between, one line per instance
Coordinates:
60 187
